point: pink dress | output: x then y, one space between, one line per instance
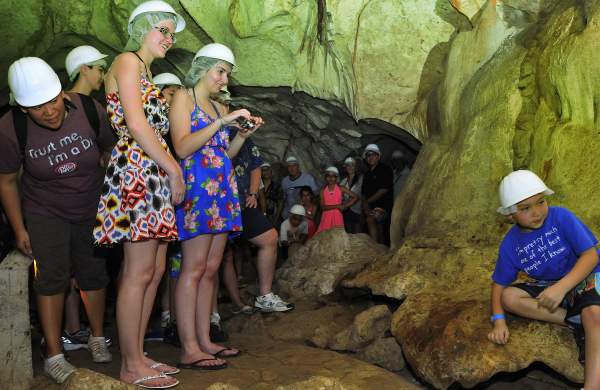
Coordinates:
331 218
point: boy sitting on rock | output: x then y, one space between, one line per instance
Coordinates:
558 253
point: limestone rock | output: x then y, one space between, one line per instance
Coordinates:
15 334
384 352
222 386
366 327
444 339
319 382
84 379
316 268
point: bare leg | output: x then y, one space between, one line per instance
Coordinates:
94 302
590 317
205 293
193 267
230 279
50 309
150 295
372 228
266 259
136 275
72 301
520 302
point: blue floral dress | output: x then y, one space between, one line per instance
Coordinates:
211 203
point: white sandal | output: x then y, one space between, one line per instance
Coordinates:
139 382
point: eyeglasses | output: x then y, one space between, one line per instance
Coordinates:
166 33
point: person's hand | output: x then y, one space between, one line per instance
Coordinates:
500 333
251 201
23 243
177 186
234 115
551 297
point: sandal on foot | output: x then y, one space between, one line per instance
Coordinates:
165 368
195 366
222 353
143 382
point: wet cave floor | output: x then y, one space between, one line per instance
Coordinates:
275 352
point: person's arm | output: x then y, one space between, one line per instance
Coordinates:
252 196
353 198
551 297
500 333
262 200
377 195
9 196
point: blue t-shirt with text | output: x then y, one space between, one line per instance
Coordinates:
547 253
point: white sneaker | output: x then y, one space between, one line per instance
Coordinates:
165 318
99 350
58 368
215 318
272 302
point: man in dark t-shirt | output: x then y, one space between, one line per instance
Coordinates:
53 217
378 194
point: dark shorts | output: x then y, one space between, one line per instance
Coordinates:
255 223
582 296
63 249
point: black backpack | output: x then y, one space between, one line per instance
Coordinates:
20 119
7 239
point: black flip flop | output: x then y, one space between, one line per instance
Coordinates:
194 366
221 355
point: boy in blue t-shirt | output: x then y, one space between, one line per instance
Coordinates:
558 253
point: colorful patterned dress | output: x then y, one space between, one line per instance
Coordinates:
211 202
135 203
331 218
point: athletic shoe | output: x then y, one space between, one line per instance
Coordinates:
58 368
78 340
99 350
154 335
272 302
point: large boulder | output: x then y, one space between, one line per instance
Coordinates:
315 269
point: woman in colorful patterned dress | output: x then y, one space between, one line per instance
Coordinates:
141 184
211 209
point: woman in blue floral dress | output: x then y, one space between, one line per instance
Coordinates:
211 209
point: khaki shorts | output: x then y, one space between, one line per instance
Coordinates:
63 249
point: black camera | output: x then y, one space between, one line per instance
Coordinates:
246 124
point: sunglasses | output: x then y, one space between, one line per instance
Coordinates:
166 33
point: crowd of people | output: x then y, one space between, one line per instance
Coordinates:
167 171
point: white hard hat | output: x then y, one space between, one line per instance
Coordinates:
81 55
518 186
167 79
371 148
155 6
217 51
333 170
298 209
33 82
291 160
349 161
265 165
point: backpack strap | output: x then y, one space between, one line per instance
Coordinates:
91 112
20 125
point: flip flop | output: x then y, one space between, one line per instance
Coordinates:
195 366
166 369
222 355
140 382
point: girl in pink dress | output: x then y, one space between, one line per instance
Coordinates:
331 201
